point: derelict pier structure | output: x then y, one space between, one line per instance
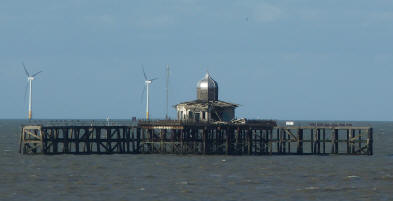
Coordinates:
178 137
204 126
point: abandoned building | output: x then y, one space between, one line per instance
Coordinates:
207 107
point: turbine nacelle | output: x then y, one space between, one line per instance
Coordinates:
30 78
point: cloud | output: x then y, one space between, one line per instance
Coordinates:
267 13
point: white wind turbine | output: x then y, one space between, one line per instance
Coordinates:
30 79
147 82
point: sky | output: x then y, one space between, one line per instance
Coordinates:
281 59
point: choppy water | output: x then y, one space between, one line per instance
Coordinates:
171 177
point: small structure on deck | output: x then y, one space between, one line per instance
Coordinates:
207 107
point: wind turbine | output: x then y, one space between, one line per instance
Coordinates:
147 82
30 79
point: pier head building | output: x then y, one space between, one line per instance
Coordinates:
207 107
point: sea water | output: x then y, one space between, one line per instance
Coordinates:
194 177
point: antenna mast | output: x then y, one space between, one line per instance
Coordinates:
167 91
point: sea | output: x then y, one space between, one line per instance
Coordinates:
195 177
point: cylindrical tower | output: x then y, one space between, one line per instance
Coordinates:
207 89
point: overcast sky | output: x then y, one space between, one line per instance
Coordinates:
281 59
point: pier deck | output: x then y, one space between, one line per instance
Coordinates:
175 137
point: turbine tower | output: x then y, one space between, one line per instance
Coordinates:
147 82
30 79
167 91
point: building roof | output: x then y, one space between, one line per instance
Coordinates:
201 103
207 82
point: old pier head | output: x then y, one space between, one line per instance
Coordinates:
204 126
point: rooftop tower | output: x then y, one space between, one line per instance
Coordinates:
207 89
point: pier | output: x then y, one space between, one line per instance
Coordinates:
253 137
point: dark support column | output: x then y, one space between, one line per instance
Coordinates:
300 141
353 134
55 140
150 140
109 140
133 134
360 141
267 144
65 136
336 141
289 144
332 139
117 142
87 139
204 140
249 140
220 140
258 132
271 143
137 148
44 142
128 137
182 141
76 130
162 149
278 141
262 140
193 140
243 142
319 141
312 141
98 140
348 141
124 141
316 141
197 140
324 140
370 142
227 146
173 140
284 141
238 147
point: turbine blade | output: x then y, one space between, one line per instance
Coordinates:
24 67
36 74
27 86
154 79
144 74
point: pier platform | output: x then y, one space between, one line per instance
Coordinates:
253 137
